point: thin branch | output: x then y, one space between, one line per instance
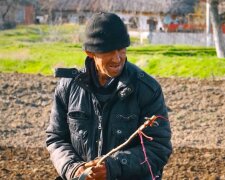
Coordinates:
148 122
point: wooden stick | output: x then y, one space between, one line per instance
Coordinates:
148 122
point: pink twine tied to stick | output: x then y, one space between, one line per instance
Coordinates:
148 122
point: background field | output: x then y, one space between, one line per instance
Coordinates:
39 49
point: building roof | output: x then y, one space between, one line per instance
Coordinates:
178 7
139 6
182 7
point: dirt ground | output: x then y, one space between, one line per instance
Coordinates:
196 111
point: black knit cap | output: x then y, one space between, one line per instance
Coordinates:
105 32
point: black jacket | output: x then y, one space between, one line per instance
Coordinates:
81 130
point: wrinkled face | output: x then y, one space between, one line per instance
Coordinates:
109 64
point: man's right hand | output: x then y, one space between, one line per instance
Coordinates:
82 168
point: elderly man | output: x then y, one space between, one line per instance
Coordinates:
97 108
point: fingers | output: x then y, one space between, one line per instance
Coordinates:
91 163
99 168
79 171
97 173
96 176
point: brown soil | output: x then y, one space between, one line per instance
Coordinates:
197 116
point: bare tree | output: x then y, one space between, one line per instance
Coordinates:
6 7
216 26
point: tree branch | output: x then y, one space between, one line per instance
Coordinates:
148 122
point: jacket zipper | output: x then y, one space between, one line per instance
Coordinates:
100 136
101 121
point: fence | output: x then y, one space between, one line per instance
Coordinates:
197 39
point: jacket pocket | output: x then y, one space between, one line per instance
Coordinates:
123 126
78 122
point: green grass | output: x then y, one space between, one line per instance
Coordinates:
40 57
181 61
39 49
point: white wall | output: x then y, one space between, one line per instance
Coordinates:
197 39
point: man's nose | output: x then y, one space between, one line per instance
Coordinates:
116 57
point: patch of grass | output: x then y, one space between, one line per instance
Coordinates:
42 58
39 49
197 67
181 61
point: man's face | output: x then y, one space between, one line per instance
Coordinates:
110 64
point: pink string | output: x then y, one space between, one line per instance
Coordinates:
140 133
146 158
159 116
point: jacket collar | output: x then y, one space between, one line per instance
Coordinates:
124 87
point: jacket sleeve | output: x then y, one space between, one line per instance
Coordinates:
128 163
62 154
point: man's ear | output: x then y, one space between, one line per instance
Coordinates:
89 54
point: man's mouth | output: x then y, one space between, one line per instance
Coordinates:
114 66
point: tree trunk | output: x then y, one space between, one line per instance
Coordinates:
208 25
6 11
217 30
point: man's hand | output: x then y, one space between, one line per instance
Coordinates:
97 172
82 168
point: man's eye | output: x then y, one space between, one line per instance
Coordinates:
121 50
